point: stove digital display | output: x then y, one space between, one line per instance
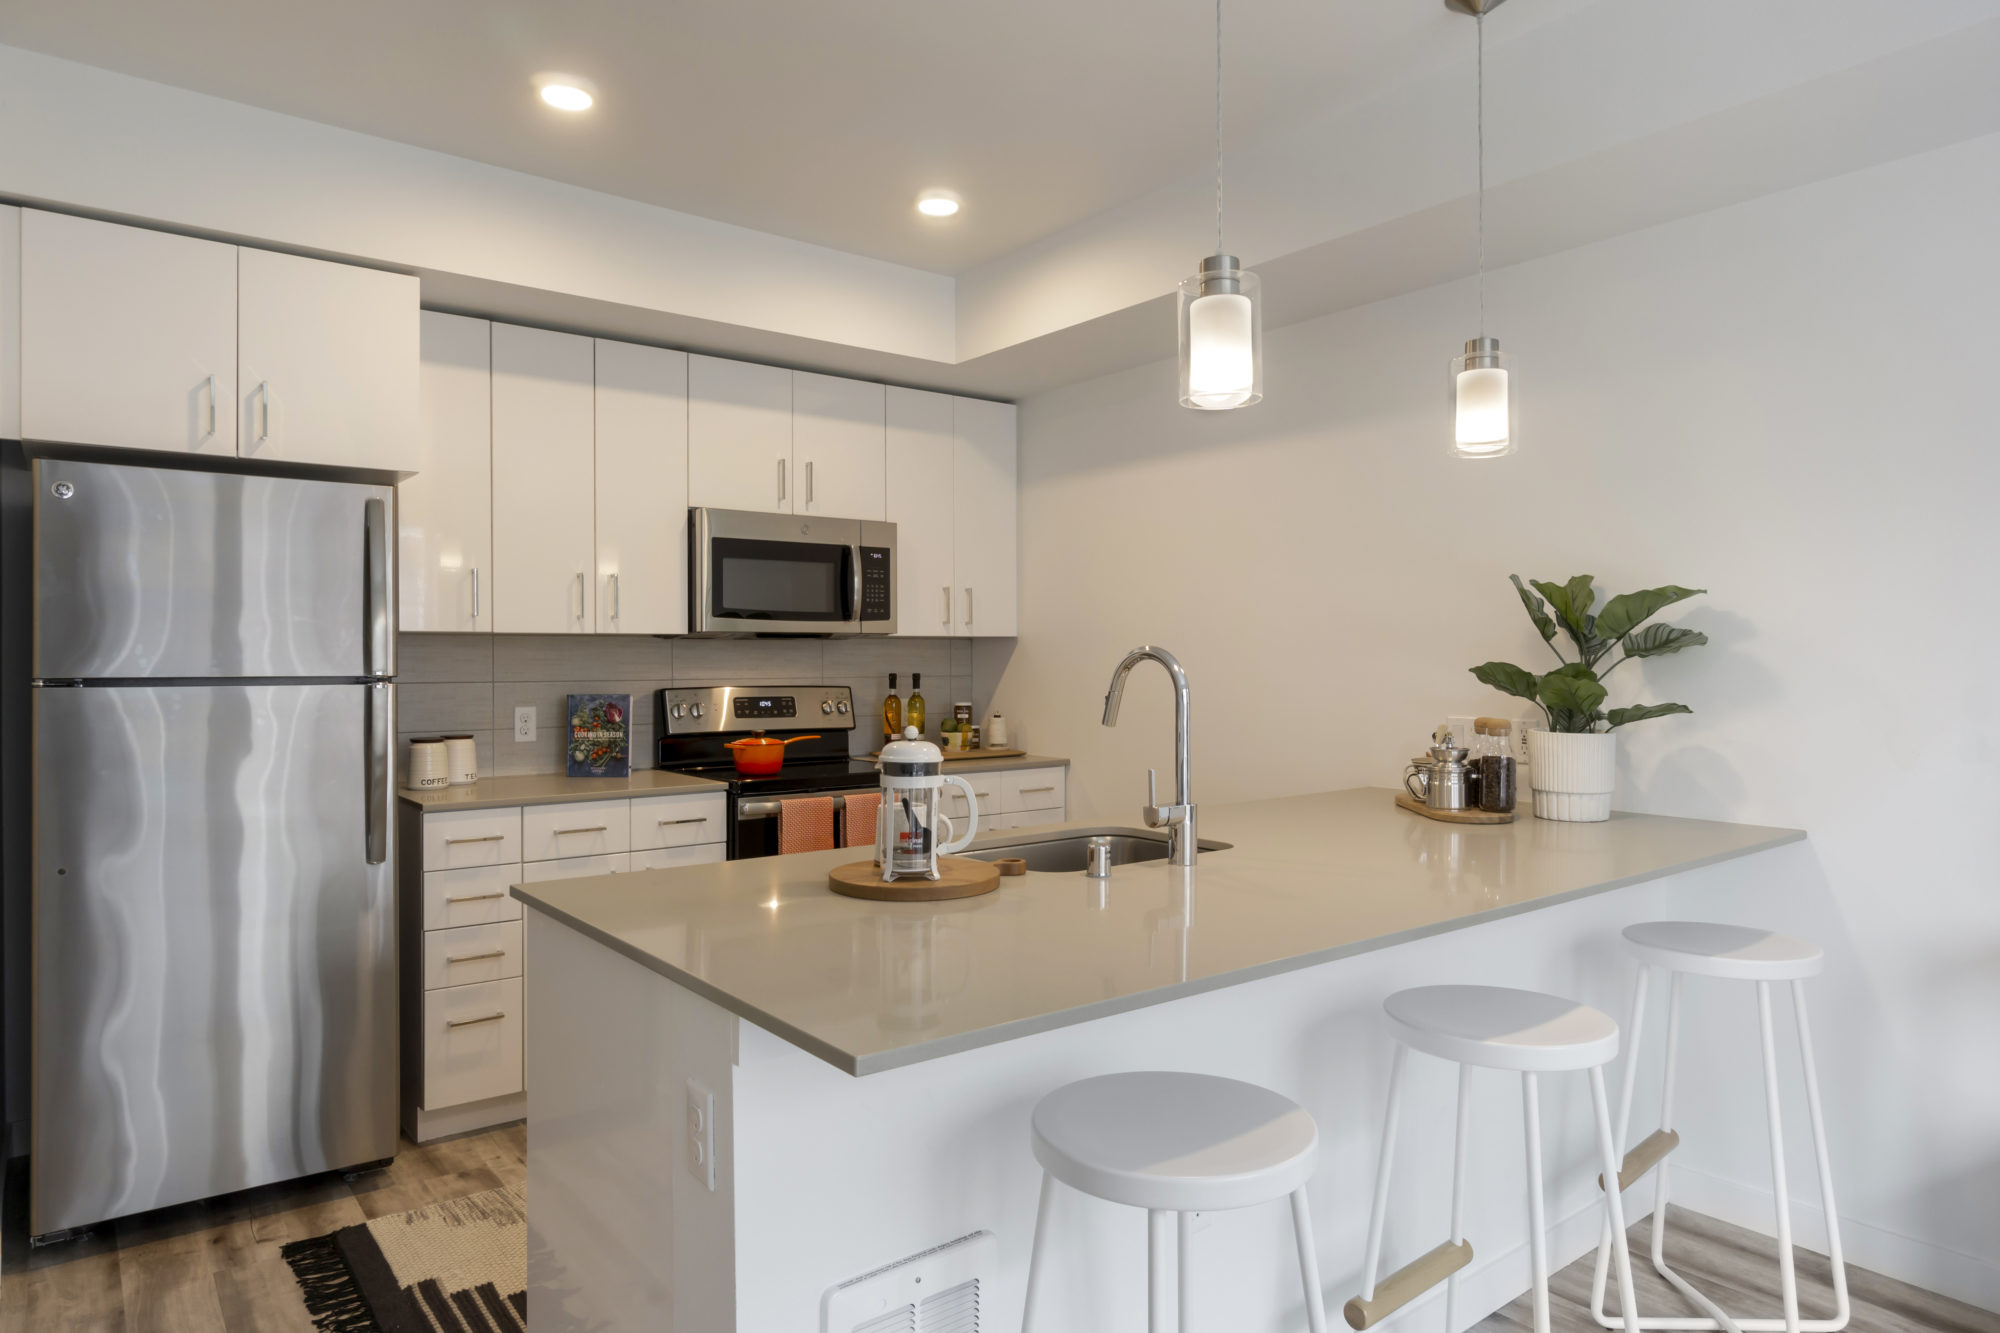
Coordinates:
752 708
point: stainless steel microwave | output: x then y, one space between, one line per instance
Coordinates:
758 573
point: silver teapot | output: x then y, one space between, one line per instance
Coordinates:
1440 781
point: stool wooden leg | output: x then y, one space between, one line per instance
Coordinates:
1788 1284
1458 1154
1614 1203
1184 1272
1037 1251
1372 1263
1302 1231
1531 1115
1159 1241
1833 1254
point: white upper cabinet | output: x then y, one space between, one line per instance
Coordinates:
920 505
838 449
544 487
642 482
10 323
327 358
984 502
128 336
739 435
445 512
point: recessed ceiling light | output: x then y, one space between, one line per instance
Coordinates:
566 92
937 203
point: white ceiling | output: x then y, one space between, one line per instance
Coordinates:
807 119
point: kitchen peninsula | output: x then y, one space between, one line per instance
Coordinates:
746 1091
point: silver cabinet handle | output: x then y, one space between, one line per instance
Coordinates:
781 481
809 481
210 382
1029 791
703 819
264 414
473 898
491 837
968 606
614 597
468 1022
947 605
475 592
595 828
579 596
475 957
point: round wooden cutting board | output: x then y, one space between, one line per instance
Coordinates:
958 877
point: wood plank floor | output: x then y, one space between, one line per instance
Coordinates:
215 1266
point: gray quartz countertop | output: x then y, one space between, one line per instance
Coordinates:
552 789
1308 879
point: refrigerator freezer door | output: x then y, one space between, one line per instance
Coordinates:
214 970
157 572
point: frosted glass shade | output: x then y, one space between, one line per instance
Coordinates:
1483 409
1222 357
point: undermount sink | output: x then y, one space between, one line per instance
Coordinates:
1065 851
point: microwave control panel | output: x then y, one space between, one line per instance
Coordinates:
876 582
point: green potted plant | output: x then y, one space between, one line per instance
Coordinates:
1573 765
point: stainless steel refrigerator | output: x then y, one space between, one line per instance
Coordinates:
214 956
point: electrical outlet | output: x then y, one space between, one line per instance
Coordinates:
700 1133
524 723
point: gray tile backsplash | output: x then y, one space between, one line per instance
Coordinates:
473 683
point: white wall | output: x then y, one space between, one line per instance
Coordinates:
1788 402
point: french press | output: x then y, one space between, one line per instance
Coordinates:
907 844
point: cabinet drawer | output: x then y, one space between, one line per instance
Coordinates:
1032 789
665 858
577 828
454 839
467 954
679 821
985 786
470 897
575 867
472 1043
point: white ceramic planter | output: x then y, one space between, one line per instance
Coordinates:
1573 774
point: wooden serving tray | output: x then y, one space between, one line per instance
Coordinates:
958 877
956 756
1414 806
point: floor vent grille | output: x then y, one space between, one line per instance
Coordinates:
940 1290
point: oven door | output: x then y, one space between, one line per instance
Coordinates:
753 831
756 573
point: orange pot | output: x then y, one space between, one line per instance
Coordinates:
759 756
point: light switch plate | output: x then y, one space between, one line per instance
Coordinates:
524 723
700 1133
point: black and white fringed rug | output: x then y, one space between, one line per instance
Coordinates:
454 1267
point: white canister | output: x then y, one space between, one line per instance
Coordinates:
994 737
429 768
461 760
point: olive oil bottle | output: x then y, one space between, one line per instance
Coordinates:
892 713
913 712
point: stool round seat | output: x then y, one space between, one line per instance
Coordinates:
1500 1028
1710 949
1175 1142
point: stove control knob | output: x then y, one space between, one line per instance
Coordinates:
826 705
696 709
680 710
840 707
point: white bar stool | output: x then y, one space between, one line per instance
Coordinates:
1490 1026
1176 1144
1732 953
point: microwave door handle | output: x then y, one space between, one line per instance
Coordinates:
854 585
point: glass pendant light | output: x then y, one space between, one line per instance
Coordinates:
1221 318
1484 405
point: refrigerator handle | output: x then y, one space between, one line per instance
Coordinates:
381 728
381 583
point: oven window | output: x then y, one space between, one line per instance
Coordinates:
761 580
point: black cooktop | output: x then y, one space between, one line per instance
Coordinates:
821 774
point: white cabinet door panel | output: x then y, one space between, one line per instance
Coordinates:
838 446
471 897
666 858
472 1043
679 821
919 500
128 336
575 828
444 514
10 323
739 435
327 362
984 500
464 955
642 421
544 484
575 867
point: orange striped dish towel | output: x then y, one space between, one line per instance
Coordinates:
861 815
805 825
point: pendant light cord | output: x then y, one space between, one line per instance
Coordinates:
1218 127
1479 23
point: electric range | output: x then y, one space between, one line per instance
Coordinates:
695 725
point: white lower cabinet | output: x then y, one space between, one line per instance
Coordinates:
1013 798
461 946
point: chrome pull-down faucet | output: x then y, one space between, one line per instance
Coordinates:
1177 819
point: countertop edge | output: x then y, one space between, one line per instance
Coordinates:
862 1066
685 786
